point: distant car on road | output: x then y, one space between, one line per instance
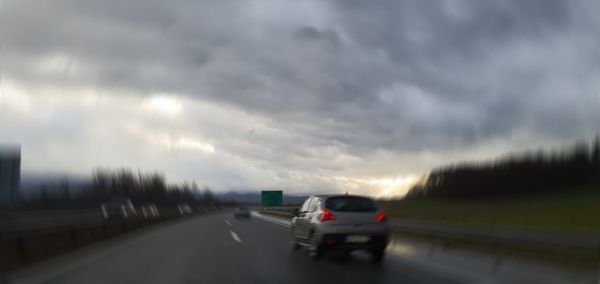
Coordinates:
184 209
118 208
150 211
241 212
342 223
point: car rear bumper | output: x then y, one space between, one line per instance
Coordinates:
340 242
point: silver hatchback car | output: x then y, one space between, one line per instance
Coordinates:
340 222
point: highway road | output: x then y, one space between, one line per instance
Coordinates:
220 249
216 249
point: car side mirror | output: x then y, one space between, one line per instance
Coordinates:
296 212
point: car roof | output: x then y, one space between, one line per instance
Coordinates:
325 196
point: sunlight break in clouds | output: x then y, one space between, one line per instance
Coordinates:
387 187
191 144
163 104
393 187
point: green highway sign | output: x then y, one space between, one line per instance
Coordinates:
271 198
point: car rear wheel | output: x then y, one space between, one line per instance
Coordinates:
294 244
345 254
377 255
315 250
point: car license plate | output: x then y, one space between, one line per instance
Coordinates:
357 239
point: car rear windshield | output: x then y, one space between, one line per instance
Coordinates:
350 204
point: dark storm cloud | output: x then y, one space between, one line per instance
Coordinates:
399 76
455 53
314 34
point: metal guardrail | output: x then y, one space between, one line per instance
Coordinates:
15 224
43 220
588 243
572 241
27 237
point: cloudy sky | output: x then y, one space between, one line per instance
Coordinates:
305 96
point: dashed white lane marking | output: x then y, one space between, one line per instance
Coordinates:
235 236
228 223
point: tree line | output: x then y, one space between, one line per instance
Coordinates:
140 188
531 172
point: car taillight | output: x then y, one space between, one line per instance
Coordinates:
327 216
381 217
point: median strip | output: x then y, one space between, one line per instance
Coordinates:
273 220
